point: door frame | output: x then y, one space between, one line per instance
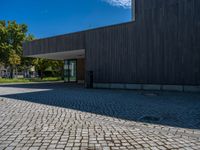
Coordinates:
68 72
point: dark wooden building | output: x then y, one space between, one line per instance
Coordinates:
161 46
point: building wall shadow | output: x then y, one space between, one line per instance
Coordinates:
165 108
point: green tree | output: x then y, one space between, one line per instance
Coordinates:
27 62
11 37
14 59
43 65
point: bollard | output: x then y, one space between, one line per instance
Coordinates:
89 83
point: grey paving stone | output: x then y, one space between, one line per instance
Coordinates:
28 125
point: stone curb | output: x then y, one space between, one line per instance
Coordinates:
155 87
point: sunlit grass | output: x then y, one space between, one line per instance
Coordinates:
15 80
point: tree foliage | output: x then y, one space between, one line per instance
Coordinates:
12 35
14 58
43 65
27 62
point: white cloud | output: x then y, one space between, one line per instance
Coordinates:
119 3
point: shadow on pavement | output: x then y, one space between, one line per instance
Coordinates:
165 108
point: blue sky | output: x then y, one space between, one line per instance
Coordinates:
53 17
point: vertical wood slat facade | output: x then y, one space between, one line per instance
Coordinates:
60 43
161 47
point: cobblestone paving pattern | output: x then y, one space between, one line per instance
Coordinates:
26 125
31 124
165 108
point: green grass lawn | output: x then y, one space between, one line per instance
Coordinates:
46 79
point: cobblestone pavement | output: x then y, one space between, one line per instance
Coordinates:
28 125
165 108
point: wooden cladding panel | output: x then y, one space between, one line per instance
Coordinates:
61 43
81 69
161 47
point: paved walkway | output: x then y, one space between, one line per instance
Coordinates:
28 125
165 108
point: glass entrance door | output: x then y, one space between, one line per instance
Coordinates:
72 70
70 74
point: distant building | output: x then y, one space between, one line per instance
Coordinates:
4 72
29 73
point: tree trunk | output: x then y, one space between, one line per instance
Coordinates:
16 72
11 72
42 74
